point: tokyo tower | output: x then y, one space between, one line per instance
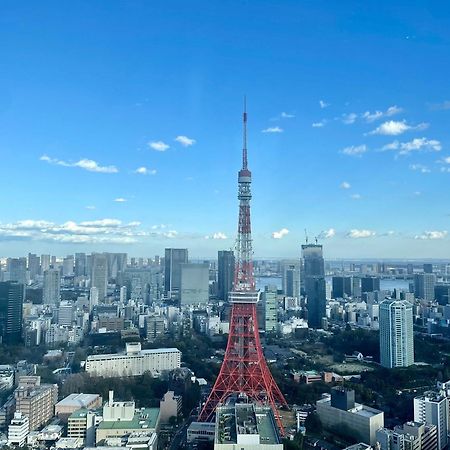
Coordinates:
244 369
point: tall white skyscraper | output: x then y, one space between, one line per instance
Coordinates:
99 277
52 286
396 333
45 263
123 295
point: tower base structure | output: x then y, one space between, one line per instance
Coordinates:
244 369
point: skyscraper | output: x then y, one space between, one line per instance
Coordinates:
174 257
370 284
291 278
18 270
396 333
11 304
80 264
45 263
52 287
225 275
314 282
33 265
68 265
270 305
99 274
194 283
342 286
424 286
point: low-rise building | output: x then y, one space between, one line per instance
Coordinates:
134 362
122 418
340 413
73 402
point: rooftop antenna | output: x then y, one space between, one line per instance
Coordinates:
306 236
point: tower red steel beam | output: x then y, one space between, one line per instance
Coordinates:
244 369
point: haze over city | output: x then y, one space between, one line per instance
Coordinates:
121 131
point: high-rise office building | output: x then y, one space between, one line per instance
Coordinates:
314 283
194 283
117 262
99 274
225 275
173 259
93 298
45 263
424 286
270 305
396 333
68 266
342 286
52 287
290 277
370 284
11 305
18 270
80 264
428 268
433 408
33 265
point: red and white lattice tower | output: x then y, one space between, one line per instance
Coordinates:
244 369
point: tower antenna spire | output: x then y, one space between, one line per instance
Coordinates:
244 146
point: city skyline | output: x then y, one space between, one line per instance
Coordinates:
110 142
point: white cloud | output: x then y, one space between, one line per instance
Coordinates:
285 115
185 141
432 235
355 150
323 104
217 236
350 118
345 185
441 106
318 124
445 160
159 146
358 234
415 145
356 196
376 115
87 232
273 130
120 200
145 171
327 234
90 207
280 234
87 164
419 168
394 128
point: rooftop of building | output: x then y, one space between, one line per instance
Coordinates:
359 409
145 418
245 419
133 355
82 413
79 400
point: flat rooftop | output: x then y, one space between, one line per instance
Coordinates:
132 355
245 419
145 418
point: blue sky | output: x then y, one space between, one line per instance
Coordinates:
348 103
